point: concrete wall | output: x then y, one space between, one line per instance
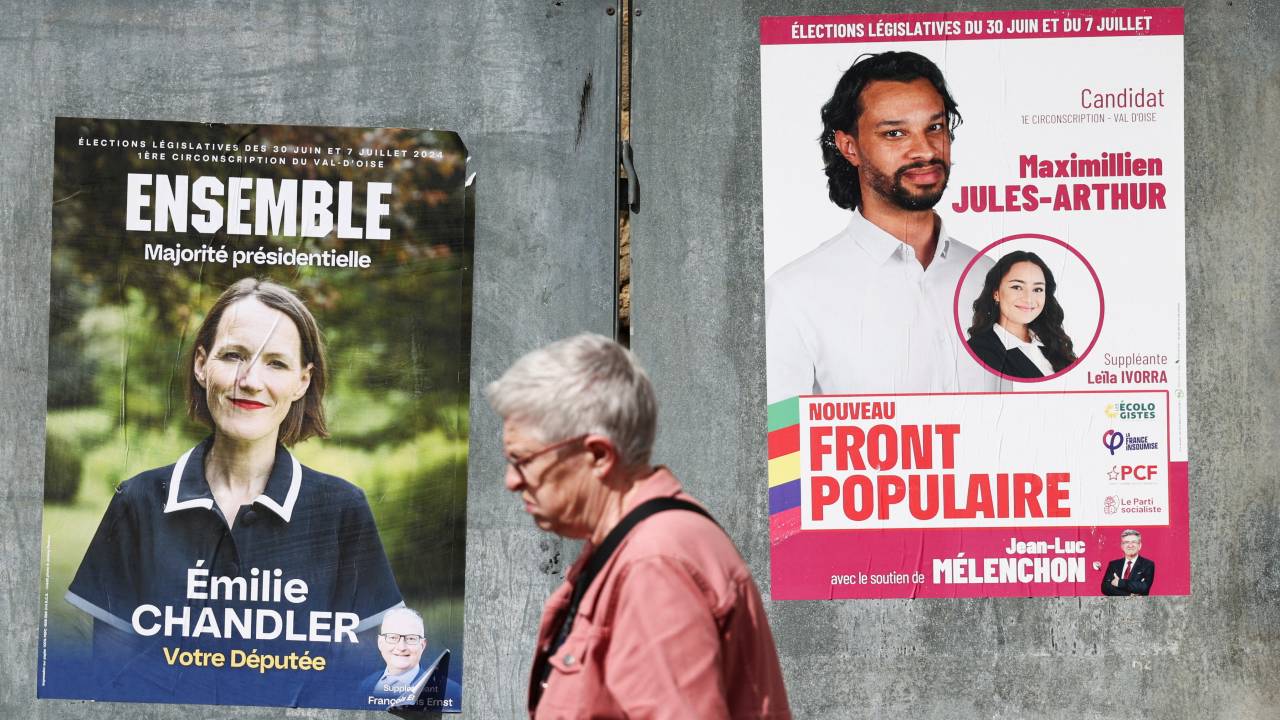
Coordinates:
531 87
697 321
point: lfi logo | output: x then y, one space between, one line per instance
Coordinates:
1113 440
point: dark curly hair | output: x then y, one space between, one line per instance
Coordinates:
1048 324
845 107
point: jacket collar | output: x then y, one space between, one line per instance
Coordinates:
660 483
188 488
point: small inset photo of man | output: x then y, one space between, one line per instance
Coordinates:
1131 574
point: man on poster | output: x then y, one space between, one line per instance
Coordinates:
871 308
1131 574
401 641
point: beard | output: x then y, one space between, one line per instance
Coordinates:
894 191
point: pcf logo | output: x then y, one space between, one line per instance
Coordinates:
1133 472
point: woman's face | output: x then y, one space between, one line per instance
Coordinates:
254 371
1021 294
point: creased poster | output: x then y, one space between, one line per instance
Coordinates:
255 476
975 304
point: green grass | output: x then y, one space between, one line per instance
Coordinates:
87 426
68 530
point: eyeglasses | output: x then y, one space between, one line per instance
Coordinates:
518 464
395 638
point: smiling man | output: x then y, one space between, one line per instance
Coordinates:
401 641
871 308
1131 574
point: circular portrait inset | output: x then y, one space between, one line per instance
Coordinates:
1038 313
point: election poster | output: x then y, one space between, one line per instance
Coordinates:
257 429
975 304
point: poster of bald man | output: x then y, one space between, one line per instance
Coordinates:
253 430
405 681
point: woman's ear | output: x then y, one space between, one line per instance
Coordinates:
198 366
305 383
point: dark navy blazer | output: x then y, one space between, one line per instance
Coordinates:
987 346
164 522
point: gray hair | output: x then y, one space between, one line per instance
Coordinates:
404 610
583 384
1126 533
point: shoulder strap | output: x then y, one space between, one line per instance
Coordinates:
611 541
600 556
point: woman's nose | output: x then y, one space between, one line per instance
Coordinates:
247 376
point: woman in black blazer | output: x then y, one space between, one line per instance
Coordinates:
1017 321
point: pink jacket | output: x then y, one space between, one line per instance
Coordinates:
672 627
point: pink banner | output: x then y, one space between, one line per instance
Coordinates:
974 562
1103 22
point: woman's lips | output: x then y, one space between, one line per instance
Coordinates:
248 404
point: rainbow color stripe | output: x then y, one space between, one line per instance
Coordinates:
784 469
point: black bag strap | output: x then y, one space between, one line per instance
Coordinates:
599 557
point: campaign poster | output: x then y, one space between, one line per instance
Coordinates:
256 454
975 304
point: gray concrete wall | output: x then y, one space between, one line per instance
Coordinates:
512 78
531 88
697 322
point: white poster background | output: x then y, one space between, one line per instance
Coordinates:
1137 254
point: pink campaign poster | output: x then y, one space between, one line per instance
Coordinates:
975 304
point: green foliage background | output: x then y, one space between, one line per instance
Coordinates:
398 338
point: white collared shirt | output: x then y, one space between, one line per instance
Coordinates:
860 314
1033 349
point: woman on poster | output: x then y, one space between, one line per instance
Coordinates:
1017 321
237 545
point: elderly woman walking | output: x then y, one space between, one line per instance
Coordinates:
659 616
